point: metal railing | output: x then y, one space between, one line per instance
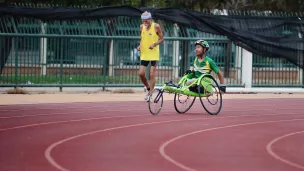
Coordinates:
102 53
78 61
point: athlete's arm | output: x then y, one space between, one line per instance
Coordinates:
215 69
159 32
221 77
222 82
138 48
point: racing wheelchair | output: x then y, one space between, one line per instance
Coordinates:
205 87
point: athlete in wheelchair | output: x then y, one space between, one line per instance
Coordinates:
195 83
203 65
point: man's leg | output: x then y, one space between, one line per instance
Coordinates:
142 72
153 74
142 75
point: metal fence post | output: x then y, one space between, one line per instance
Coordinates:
16 63
303 76
43 50
61 40
104 66
302 72
247 68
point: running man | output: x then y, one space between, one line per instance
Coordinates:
203 64
151 37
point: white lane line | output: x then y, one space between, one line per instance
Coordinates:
184 167
273 154
52 161
66 106
66 113
109 110
68 121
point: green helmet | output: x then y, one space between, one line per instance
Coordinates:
203 43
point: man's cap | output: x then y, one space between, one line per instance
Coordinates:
146 15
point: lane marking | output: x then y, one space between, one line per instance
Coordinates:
95 109
273 154
52 161
184 167
64 113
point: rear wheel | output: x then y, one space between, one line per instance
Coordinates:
210 95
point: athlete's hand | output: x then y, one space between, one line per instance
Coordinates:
138 48
188 72
223 88
152 46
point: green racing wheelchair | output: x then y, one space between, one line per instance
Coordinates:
205 88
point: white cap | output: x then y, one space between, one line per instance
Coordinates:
146 15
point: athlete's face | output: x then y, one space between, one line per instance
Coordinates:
147 22
199 50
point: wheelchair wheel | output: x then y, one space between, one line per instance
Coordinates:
210 95
185 101
156 101
182 103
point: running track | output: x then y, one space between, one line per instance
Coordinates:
265 134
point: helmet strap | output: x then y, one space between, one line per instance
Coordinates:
202 56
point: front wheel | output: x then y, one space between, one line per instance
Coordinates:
156 101
210 95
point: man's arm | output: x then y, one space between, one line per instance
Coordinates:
138 48
160 35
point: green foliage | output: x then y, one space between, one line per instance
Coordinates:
197 5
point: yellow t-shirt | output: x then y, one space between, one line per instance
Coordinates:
148 37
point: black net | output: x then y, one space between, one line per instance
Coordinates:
275 37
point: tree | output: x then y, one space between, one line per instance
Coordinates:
197 5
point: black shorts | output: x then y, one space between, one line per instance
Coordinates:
146 63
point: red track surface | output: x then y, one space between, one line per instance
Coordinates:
247 135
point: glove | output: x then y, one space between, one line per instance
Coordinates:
188 72
223 88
